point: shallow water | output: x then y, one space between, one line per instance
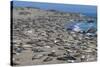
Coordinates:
82 26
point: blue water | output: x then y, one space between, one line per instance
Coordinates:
83 26
84 9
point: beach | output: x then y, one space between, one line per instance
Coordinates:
39 37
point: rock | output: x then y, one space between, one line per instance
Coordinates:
53 51
90 34
91 21
37 50
65 58
83 58
60 48
53 54
47 46
18 49
37 56
30 42
70 61
27 46
88 50
48 59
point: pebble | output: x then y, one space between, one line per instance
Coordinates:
27 46
37 56
47 46
48 59
18 50
65 58
52 54
37 50
70 61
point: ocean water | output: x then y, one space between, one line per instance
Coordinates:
88 10
81 26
